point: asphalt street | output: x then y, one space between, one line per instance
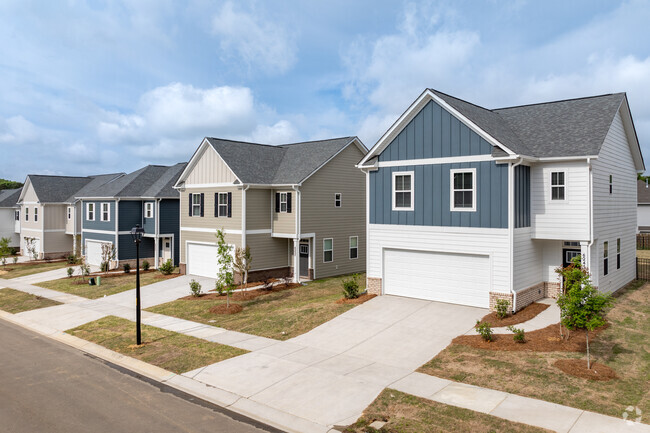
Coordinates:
46 386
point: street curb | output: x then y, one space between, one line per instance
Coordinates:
225 399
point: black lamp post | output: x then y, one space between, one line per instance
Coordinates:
136 234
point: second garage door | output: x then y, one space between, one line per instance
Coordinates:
94 252
202 260
455 278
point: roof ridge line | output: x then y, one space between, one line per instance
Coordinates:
558 101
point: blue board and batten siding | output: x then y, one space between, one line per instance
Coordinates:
522 196
434 133
170 223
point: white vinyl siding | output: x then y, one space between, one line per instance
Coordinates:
527 259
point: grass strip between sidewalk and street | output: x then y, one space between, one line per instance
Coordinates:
14 301
110 284
280 315
406 413
11 270
166 349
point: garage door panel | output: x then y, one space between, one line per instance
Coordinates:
202 260
445 277
94 253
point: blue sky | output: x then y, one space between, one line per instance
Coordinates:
103 86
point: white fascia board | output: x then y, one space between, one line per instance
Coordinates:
412 111
632 138
354 140
26 185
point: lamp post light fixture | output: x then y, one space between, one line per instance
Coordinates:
136 234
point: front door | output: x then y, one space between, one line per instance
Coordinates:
304 260
568 255
166 249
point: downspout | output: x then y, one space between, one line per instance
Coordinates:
117 231
296 246
74 228
591 214
243 215
511 230
157 235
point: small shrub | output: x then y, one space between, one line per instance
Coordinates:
126 267
167 268
85 270
72 259
484 329
195 288
145 265
104 266
14 251
15 259
351 287
219 287
502 308
518 334
70 272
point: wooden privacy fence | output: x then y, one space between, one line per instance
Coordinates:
643 241
642 269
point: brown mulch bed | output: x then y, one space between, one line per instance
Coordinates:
82 281
242 296
543 340
223 309
520 316
253 284
578 368
356 301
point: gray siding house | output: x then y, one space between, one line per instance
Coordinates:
469 205
10 216
299 207
143 197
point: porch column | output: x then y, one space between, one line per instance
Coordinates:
156 253
585 254
296 260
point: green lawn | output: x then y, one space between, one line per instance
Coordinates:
15 301
110 285
624 346
169 350
406 413
280 315
22 269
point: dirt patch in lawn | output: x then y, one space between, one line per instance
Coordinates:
578 368
356 301
246 295
520 316
224 309
543 340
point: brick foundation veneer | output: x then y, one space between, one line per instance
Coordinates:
121 263
494 296
552 290
182 268
373 285
531 294
268 273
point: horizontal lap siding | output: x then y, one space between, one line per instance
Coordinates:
209 220
54 216
615 214
492 242
284 222
268 252
527 259
259 206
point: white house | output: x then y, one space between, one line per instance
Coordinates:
10 216
468 205
643 206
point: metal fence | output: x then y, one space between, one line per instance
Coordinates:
642 269
643 241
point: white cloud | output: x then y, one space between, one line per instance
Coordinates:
255 41
17 130
279 133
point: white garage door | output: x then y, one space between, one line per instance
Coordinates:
202 260
456 278
94 253
36 245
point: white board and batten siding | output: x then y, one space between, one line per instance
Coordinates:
487 247
209 169
527 259
614 214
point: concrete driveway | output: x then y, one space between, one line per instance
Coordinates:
330 374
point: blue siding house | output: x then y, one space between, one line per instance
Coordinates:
145 197
469 205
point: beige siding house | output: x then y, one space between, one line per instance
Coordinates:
10 216
299 207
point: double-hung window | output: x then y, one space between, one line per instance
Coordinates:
403 190
328 250
558 185
148 210
17 215
463 190
611 183
196 204
337 199
605 258
354 247
69 212
618 253
223 204
283 202
90 211
35 214
26 214
106 214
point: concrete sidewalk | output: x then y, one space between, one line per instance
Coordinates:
548 317
55 274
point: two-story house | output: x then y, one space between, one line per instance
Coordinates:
643 206
10 216
468 205
145 197
49 213
300 208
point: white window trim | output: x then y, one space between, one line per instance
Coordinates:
350 247
196 205
324 250
286 202
606 257
69 213
550 185
88 205
220 205
108 212
412 190
453 171
148 210
338 198
35 214
17 215
26 213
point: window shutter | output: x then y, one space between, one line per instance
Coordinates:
190 204
202 202
277 202
288 202
216 204
229 205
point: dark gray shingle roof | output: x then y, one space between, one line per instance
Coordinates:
152 181
281 164
9 197
61 189
574 127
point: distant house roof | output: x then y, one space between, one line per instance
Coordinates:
9 197
63 189
152 181
277 165
642 192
